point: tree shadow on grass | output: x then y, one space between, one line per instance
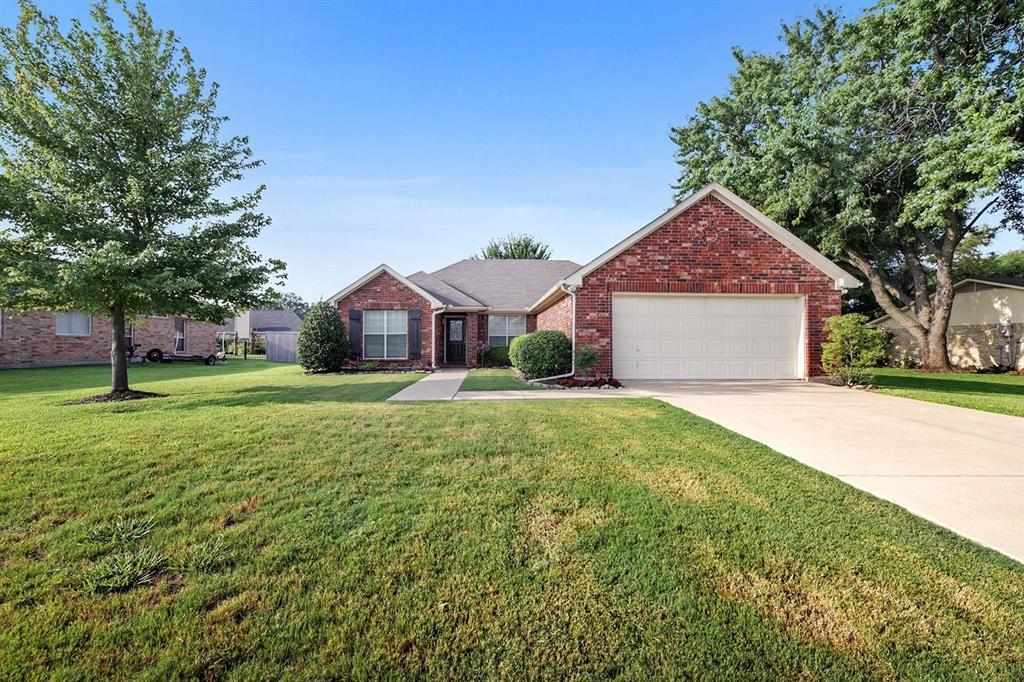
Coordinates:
948 385
16 382
256 396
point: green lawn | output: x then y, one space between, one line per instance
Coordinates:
284 526
503 379
1002 393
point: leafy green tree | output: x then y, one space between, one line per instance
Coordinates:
323 340
514 246
851 348
293 302
111 171
972 261
882 142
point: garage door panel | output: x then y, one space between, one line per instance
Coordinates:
706 337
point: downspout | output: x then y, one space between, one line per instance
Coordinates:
571 290
433 337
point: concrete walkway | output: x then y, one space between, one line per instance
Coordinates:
440 385
959 468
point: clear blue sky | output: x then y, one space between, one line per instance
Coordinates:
410 133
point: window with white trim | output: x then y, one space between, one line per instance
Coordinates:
501 329
129 336
386 334
74 324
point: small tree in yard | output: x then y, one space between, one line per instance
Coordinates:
111 177
586 358
323 341
851 348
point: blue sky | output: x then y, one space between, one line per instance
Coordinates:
411 133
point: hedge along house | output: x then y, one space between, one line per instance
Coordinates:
711 289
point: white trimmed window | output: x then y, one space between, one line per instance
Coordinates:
386 334
74 324
501 329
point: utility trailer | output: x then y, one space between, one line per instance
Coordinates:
157 355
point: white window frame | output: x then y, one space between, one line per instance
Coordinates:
387 332
505 335
57 318
184 336
129 333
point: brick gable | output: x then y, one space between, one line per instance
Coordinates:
708 248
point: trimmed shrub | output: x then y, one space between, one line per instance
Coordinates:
541 354
586 358
323 341
852 348
496 356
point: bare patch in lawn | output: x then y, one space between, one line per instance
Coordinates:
240 511
799 600
551 524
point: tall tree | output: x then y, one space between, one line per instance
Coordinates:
292 301
111 171
882 141
521 246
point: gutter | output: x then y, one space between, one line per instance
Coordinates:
571 290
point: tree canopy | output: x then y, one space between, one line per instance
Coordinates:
112 174
515 246
883 141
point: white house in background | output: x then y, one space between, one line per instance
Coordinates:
259 321
986 326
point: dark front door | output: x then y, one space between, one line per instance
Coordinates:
455 340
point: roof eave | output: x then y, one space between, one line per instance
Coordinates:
842 279
385 268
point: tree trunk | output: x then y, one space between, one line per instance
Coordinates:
118 359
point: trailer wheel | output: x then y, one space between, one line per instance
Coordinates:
210 360
155 355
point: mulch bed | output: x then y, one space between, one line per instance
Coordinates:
117 397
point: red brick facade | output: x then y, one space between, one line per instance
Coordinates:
31 340
557 316
709 248
384 292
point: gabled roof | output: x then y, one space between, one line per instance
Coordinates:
1011 282
385 268
843 279
281 319
505 284
445 292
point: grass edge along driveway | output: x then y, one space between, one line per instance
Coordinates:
279 525
496 379
999 393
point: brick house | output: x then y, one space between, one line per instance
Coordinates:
711 289
42 339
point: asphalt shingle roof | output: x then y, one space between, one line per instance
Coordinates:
443 291
501 284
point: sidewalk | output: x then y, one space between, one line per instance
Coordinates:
440 385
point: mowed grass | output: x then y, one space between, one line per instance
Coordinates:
1001 393
495 379
262 524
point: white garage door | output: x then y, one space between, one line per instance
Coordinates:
706 337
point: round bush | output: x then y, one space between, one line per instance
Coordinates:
323 341
541 354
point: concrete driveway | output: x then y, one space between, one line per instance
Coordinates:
960 468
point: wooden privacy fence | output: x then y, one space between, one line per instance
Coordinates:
281 346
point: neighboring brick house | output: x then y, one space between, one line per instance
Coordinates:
711 289
41 339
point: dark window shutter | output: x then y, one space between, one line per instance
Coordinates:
414 334
355 332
